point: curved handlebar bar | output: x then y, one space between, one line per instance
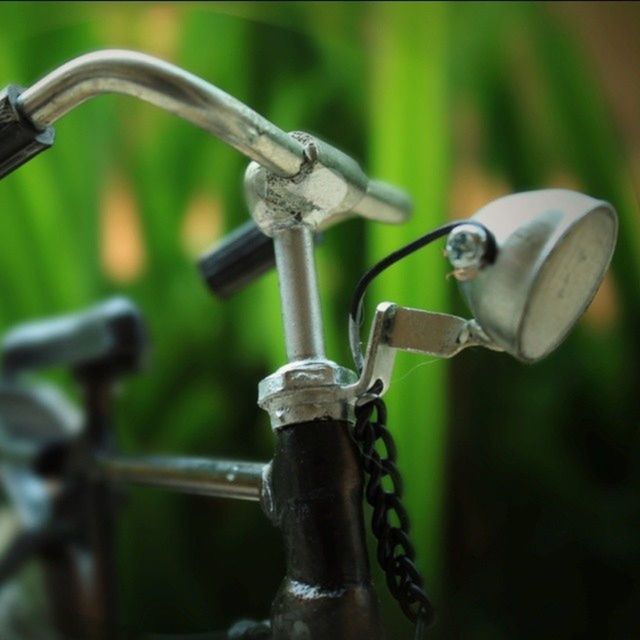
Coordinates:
190 98
170 88
301 165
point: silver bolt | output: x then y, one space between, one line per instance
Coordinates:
466 249
310 152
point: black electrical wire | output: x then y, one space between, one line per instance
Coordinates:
355 309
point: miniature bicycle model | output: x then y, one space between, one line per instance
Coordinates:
528 265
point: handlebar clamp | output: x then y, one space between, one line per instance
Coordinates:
329 187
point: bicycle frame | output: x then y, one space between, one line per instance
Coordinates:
313 488
328 590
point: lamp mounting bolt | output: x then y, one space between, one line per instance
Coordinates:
466 249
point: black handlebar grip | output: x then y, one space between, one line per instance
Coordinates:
19 139
106 340
240 258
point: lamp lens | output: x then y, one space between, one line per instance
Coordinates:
566 283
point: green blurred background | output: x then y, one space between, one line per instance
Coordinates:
523 482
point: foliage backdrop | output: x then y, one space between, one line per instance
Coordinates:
522 482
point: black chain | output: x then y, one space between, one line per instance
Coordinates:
395 552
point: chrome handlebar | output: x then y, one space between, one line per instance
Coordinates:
195 100
168 87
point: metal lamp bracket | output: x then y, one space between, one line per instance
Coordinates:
397 328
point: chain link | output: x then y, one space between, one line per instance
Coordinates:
395 553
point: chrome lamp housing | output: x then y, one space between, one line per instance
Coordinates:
553 249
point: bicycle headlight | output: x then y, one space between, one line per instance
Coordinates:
553 249
528 264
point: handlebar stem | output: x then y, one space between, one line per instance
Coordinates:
299 294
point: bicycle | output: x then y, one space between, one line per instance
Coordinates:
528 265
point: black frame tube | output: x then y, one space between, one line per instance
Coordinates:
317 501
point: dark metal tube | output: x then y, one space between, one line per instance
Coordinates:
99 513
202 476
316 486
